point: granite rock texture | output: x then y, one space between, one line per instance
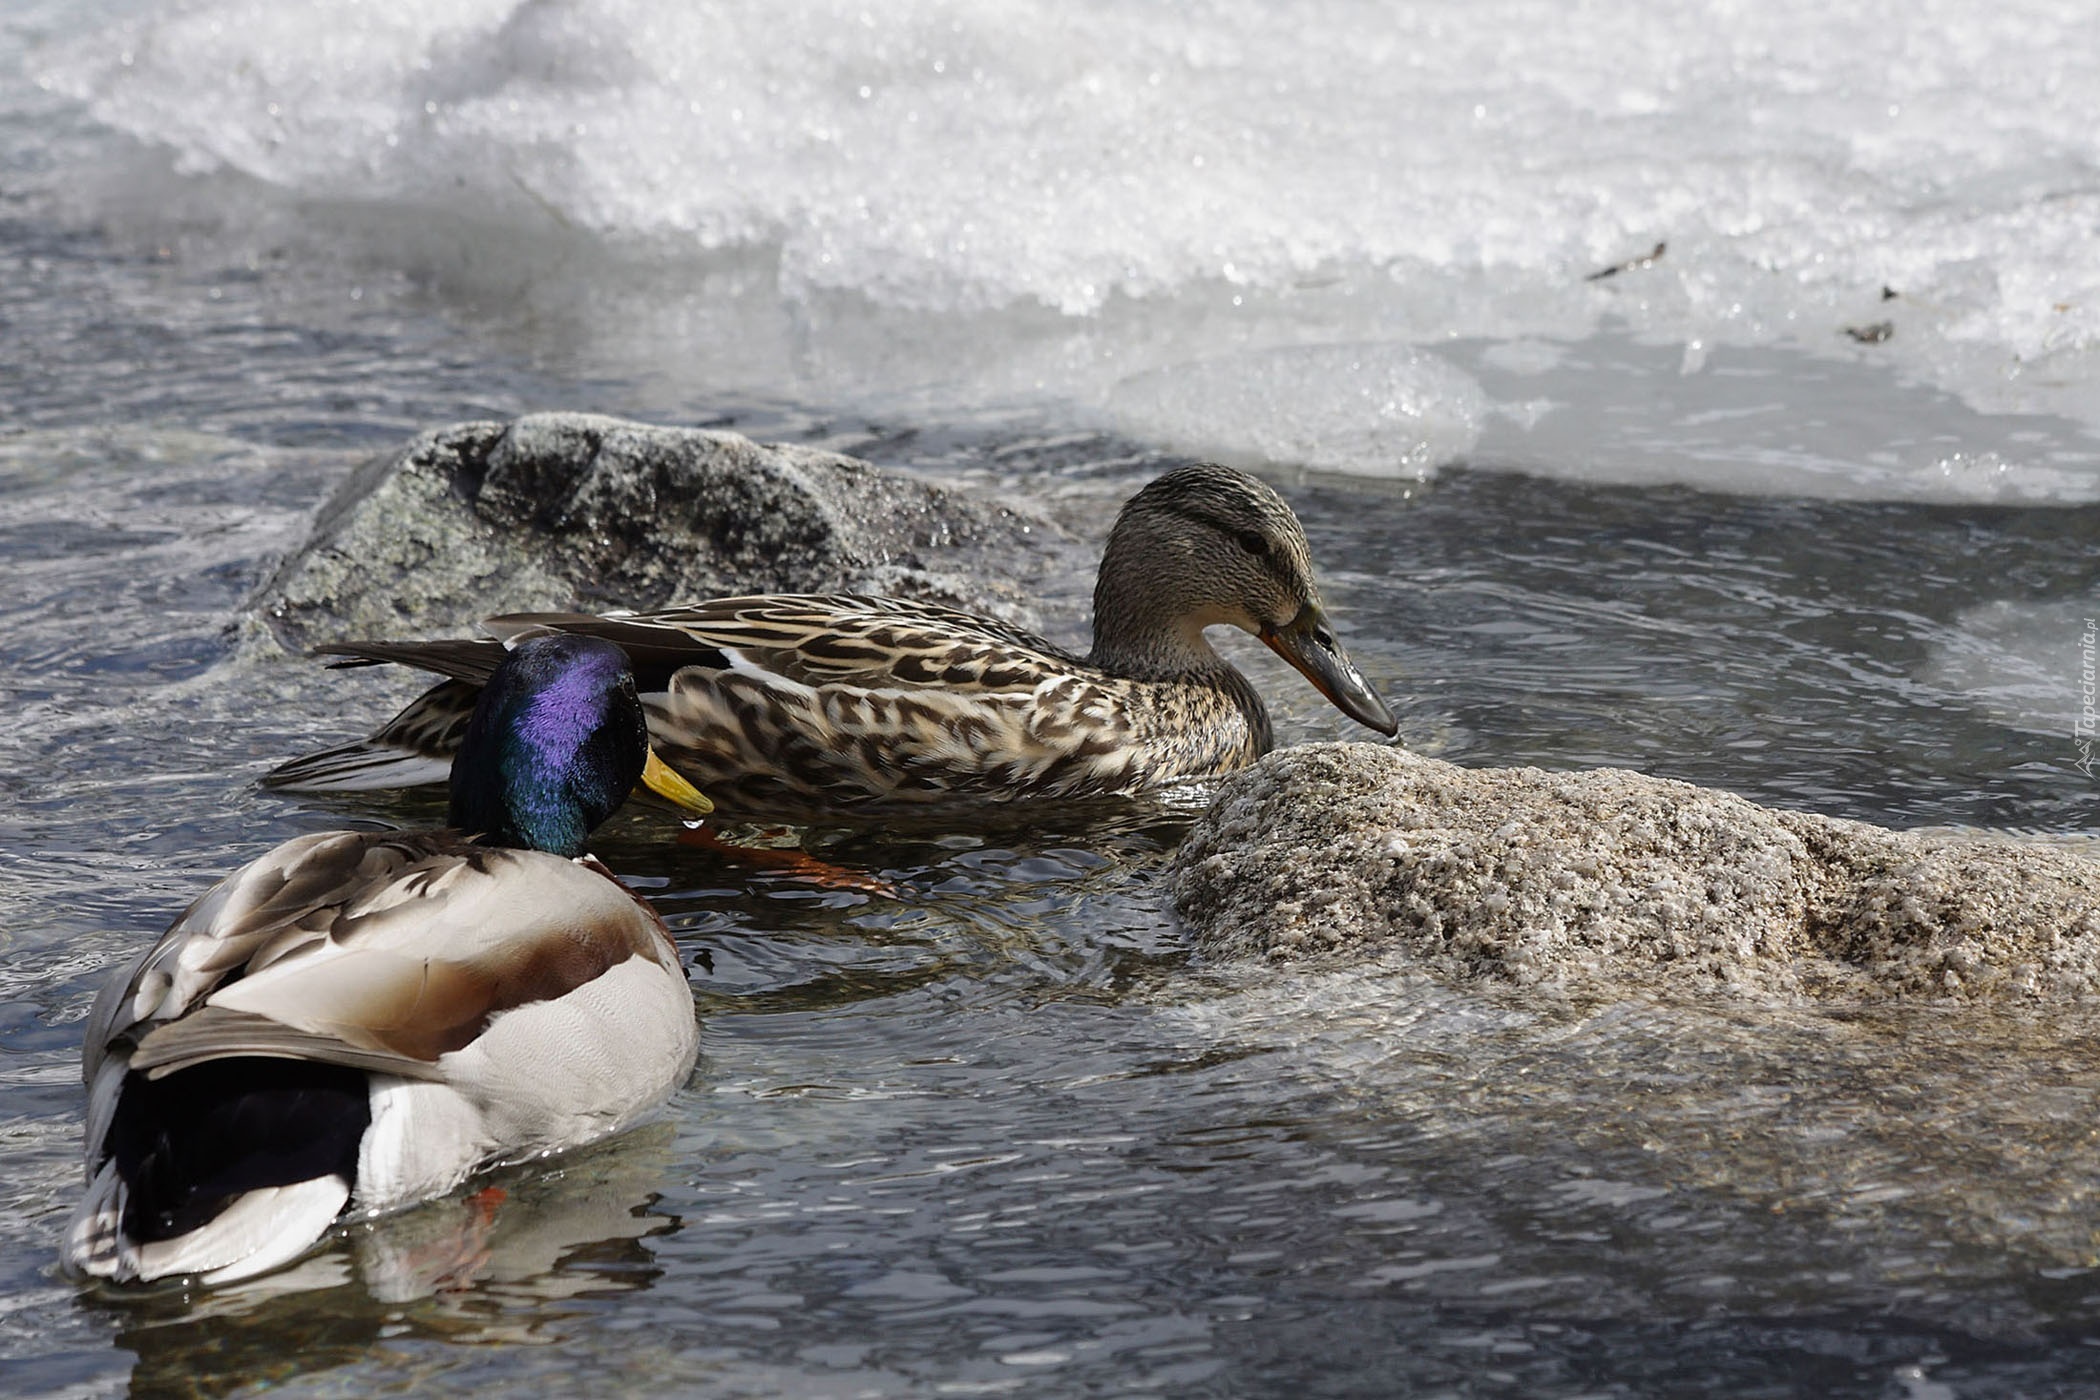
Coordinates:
571 510
1612 879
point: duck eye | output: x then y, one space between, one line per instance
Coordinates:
1254 542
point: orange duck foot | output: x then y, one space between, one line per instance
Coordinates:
796 864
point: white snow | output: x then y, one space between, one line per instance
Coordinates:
1240 227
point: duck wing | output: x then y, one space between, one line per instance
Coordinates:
790 701
375 951
824 704
814 639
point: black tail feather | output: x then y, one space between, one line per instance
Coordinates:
654 651
188 1144
461 659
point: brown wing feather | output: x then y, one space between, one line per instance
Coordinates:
211 1033
371 949
469 659
819 639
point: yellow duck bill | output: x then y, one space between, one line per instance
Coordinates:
666 782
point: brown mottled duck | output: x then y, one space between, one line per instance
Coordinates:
797 706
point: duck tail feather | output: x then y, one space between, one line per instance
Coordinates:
412 748
458 658
364 766
259 1231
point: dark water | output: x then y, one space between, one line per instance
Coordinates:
1009 1134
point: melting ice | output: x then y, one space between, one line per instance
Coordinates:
1302 233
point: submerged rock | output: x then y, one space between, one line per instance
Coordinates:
572 510
1613 877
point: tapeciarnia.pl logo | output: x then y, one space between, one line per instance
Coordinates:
2083 728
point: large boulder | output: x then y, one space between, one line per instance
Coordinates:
572 510
1611 879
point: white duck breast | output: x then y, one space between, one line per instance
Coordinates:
402 1010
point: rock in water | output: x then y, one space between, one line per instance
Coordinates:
1612 879
572 510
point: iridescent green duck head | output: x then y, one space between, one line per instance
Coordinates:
557 742
1203 545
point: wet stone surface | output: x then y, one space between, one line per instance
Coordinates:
1615 879
573 510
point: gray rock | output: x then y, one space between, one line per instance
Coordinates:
570 510
1611 879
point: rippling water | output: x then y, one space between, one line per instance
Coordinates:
1010 1133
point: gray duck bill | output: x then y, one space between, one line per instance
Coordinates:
1308 643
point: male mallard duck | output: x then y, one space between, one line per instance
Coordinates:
359 1020
785 706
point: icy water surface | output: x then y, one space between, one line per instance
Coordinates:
1009 1134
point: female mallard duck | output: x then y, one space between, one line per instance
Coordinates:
790 706
360 1020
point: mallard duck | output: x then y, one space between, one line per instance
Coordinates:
359 1020
790 706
